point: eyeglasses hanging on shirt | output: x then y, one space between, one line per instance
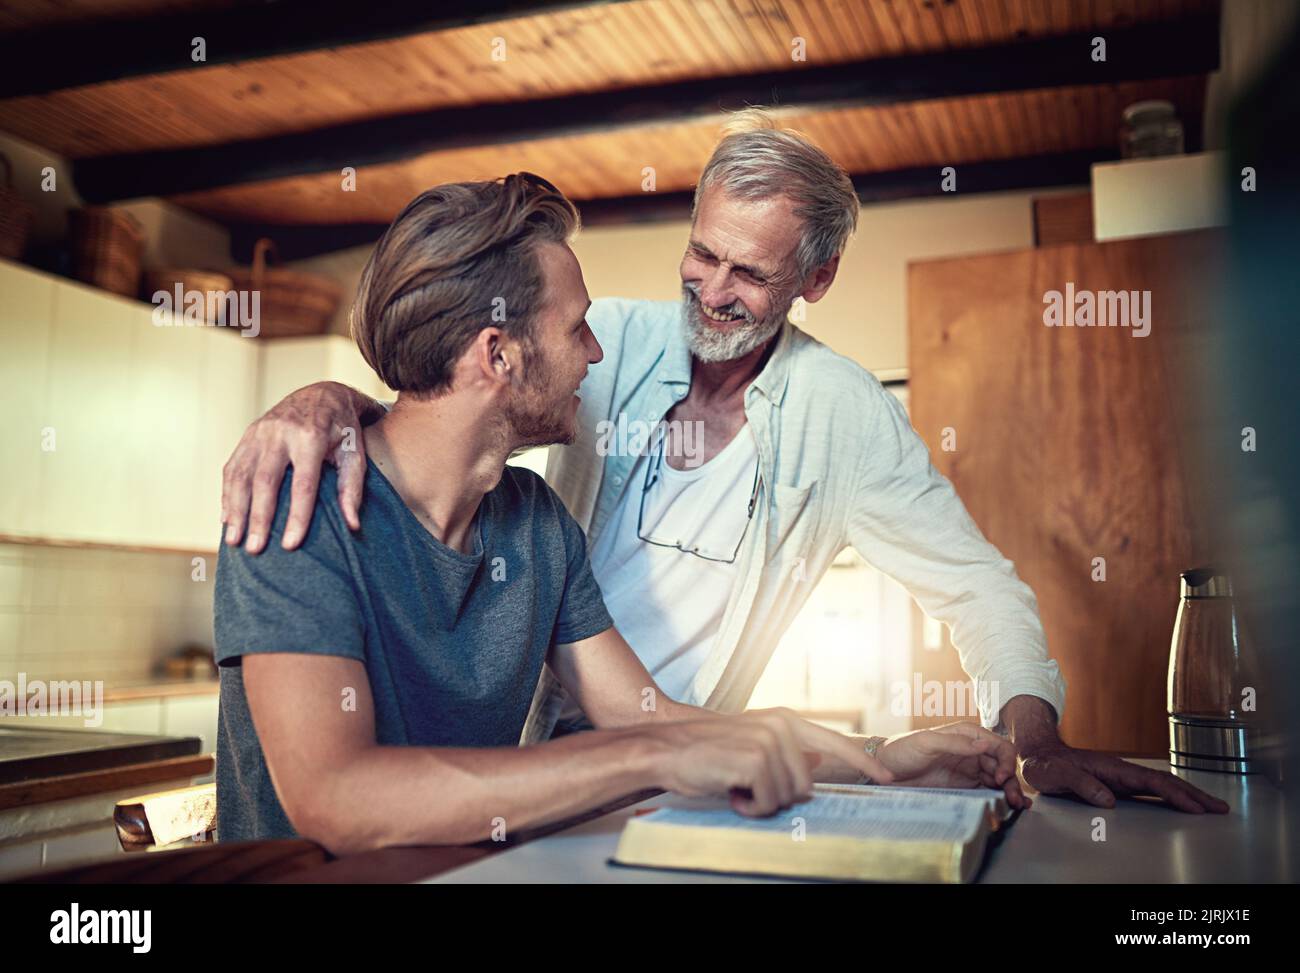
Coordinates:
711 549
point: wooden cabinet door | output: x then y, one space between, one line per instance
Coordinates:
1071 444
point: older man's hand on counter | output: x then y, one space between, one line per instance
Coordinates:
1049 766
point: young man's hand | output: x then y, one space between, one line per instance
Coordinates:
319 423
763 758
955 755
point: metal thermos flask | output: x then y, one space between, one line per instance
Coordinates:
1212 680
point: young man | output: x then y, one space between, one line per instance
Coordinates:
375 682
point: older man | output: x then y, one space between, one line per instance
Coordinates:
777 454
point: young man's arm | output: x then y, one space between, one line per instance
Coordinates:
342 789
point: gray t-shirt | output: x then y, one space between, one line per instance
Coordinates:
453 644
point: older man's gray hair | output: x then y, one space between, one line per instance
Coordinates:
757 160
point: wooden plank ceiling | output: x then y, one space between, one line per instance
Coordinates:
863 140
580 50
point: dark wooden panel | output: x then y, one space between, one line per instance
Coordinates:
1070 446
30 752
224 863
41 790
95 49
40 15
1063 219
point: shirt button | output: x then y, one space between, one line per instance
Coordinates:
618 481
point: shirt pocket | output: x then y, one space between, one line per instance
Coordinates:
793 514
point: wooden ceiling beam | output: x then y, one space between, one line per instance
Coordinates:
298 242
1142 52
37 62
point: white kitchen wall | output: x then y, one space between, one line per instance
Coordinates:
84 613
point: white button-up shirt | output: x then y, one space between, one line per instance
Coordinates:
839 466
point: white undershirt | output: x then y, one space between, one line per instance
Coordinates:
666 603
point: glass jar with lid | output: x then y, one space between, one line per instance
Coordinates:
1151 129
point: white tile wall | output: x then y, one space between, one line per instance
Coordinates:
68 613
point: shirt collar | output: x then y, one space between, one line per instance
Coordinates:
675 366
773 380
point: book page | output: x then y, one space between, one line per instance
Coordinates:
993 800
988 796
985 794
895 814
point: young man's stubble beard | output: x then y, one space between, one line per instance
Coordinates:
536 413
709 344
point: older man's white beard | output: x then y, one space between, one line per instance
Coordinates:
708 344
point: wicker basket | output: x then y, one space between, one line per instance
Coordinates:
106 248
15 217
206 281
292 303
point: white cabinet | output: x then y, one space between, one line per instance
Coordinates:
192 716
142 716
290 363
180 715
195 396
1172 194
116 428
26 309
85 494
230 365
133 716
161 415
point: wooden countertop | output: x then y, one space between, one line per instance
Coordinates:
299 861
33 752
39 764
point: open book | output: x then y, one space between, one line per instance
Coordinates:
862 833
